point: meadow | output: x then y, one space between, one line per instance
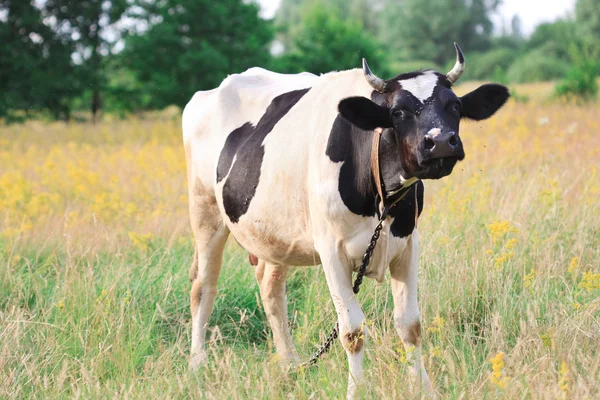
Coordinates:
95 248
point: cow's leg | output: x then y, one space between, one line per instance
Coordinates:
352 330
271 281
404 271
210 235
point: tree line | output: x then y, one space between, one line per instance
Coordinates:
60 57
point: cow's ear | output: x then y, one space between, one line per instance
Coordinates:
365 114
484 101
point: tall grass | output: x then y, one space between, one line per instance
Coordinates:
95 250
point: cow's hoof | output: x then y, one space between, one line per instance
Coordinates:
197 360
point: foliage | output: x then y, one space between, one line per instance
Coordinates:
580 81
194 45
326 42
587 13
554 39
63 57
36 72
95 248
415 29
89 21
484 66
536 66
289 17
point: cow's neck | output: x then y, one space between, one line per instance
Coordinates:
351 147
390 164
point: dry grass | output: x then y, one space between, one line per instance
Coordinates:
95 249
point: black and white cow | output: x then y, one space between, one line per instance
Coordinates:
282 162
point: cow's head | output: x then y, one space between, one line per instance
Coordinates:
422 114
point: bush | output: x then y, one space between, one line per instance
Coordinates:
580 81
536 66
485 66
325 42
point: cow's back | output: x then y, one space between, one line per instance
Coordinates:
210 116
258 145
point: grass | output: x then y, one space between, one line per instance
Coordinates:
95 250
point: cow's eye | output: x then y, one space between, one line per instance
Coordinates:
402 114
456 107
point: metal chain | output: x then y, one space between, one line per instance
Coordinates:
324 348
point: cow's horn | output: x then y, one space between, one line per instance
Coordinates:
375 82
459 67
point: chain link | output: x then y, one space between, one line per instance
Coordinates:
324 348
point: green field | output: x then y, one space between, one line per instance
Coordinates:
95 250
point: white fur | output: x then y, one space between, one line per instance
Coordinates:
434 132
421 86
297 216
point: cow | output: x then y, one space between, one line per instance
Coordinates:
283 163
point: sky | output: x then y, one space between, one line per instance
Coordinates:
532 12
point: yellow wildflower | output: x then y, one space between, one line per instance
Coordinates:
590 282
142 242
528 279
499 261
563 378
499 229
437 325
435 352
406 354
498 377
573 265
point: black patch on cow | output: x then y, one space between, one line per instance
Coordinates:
245 145
443 80
404 212
352 146
232 144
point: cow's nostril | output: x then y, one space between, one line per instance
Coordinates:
429 144
453 141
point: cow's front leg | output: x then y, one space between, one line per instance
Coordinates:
404 273
352 331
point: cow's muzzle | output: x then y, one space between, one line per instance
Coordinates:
440 144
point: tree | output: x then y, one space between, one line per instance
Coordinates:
325 42
555 39
90 26
35 65
290 15
192 45
587 15
425 30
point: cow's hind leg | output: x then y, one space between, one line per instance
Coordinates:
272 283
404 273
210 235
